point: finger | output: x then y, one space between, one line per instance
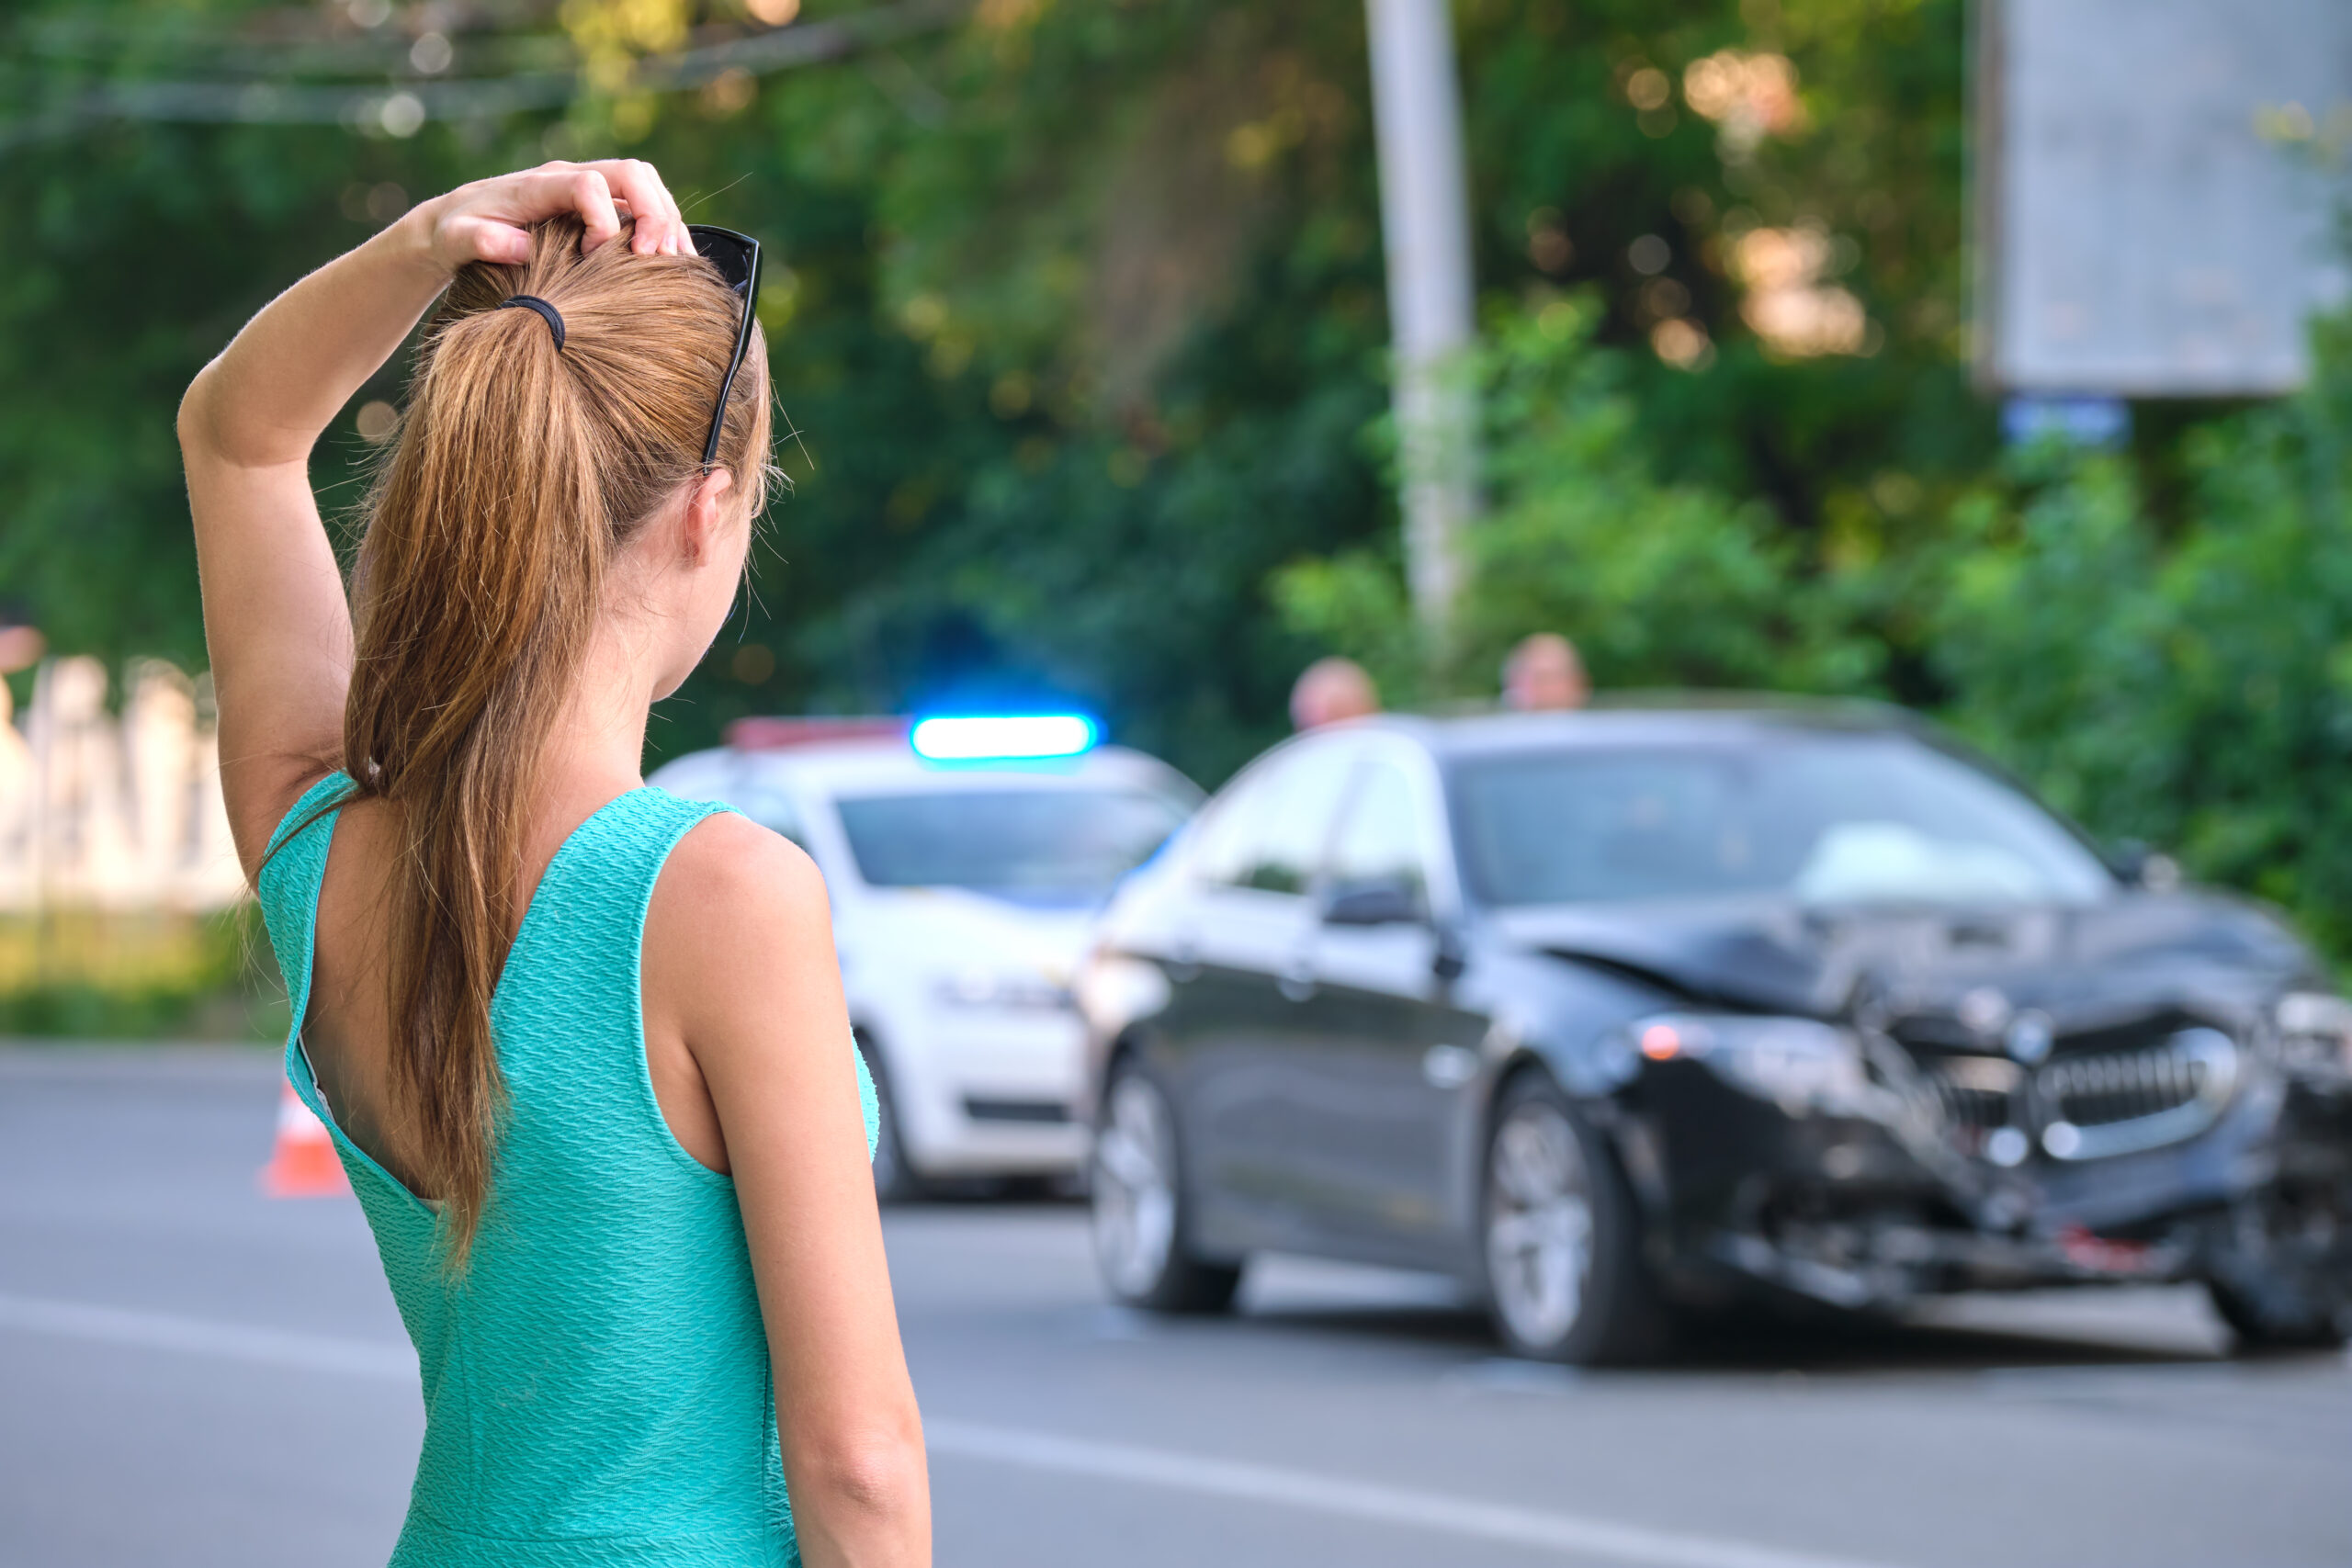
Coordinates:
680 243
555 188
617 175
643 186
592 197
659 227
671 221
646 223
487 239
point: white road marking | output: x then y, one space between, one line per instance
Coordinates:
1574 1534
197 1337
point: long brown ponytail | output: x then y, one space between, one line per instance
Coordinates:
519 469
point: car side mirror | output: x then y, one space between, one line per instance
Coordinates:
1371 904
1450 960
2141 865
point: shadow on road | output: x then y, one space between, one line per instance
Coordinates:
1834 1345
2170 1326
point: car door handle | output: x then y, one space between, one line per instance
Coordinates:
1296 982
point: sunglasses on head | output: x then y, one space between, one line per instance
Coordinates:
737 257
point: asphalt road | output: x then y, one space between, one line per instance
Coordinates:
191 1375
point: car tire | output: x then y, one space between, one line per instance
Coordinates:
2279 1311
2262 1326
1142 1220
895 1180
1559 1241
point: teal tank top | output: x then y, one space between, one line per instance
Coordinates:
596 1385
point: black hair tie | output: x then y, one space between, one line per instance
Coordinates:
548 314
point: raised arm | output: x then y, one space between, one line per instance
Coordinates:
739 957
275 617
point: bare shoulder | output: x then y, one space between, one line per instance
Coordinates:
739 948
737 906
730 865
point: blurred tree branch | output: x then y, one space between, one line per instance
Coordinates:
261 86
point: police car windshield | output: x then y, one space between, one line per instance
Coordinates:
1056 844
1824 820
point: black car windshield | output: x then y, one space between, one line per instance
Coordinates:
1060 844
1823 818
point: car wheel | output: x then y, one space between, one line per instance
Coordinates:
1142 1224
2285 1282
2261 1326
895 1179
1561 1242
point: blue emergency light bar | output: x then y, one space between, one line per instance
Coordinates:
979 740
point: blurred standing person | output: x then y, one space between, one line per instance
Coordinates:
21 644
1330 690
582 1043
1544 675
20 649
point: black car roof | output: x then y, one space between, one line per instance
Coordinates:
1652 718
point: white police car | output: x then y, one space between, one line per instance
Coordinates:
965 858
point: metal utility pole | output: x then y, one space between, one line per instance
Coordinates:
1425 221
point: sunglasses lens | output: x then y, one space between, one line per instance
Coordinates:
730 253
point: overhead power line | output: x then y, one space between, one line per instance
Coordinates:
402 107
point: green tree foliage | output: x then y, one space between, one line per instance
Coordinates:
1663 583
2193 689
2182 679
1668 584
1077 307
1077 311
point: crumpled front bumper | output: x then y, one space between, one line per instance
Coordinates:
1870 1210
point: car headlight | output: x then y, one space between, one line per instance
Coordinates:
2316 1034
1115 992
1801 1064
1025 990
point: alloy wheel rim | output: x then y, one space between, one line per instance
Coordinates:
1539 1224
1135 1188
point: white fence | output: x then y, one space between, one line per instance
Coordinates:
109 810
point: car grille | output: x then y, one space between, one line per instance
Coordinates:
1975 1093
2086 1103
2128 1086
2116 1102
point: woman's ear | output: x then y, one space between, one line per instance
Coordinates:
706 519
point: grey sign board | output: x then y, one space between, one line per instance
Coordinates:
2155 201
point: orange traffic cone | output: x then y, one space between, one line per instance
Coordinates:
303 1165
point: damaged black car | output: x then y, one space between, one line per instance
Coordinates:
1630 1016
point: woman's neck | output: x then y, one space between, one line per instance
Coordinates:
595 748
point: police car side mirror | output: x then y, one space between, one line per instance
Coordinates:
1371 904
1450 959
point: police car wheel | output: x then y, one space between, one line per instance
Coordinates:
895 1180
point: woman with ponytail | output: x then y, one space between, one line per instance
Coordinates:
581 1044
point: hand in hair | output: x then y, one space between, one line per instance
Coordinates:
487 219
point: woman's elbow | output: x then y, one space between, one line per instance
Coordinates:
194 425
878 1475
